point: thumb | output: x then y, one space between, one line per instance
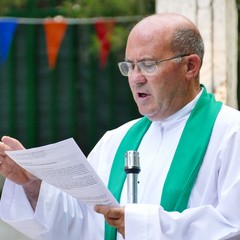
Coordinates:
13 143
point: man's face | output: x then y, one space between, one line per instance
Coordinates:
155 94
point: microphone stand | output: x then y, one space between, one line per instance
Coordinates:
132 169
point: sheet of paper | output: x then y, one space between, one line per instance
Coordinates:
64 165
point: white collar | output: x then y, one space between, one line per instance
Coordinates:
180 115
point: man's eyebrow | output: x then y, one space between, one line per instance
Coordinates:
141 60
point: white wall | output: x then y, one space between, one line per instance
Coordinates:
7 232
217 22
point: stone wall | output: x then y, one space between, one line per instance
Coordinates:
9 233
217 21
6 231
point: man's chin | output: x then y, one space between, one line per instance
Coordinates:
152 116
149 116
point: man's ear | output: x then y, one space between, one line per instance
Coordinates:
193 65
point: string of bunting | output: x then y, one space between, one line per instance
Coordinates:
55 29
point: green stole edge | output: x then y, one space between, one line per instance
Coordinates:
182 174
131 141
185 167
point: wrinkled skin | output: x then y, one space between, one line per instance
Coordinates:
171 87
15 173
162 94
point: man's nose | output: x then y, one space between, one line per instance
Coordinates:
136 76
136 69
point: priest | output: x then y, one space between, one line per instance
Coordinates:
188 143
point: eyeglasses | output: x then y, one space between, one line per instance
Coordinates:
146 67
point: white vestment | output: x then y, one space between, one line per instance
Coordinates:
214 205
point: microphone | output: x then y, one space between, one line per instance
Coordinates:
132 169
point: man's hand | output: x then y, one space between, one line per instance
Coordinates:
8 168
11 170
114 217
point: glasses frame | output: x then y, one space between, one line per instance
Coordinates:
157 62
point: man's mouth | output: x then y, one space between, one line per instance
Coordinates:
142 95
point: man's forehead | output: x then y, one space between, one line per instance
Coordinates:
163 23
150 36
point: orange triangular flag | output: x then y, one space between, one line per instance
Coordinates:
104 31
55 31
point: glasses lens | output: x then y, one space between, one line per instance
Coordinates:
124 68
147 67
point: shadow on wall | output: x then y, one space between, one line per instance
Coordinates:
9 233
238 86
6 231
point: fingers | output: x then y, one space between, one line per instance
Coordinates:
110 212
3 148
8 168
113 216
13 143
8 144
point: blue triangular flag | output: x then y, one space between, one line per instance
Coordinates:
7 29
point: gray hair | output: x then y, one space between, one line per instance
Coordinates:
187 41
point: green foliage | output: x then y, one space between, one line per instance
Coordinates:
5 5
107 8
118 40
81 9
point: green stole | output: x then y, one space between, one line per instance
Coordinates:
186 162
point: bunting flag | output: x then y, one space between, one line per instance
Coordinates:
104 31
55 30
7 30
